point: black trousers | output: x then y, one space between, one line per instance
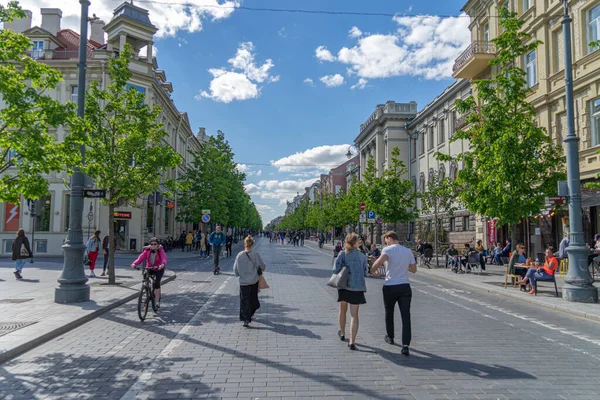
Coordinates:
216 251
105 262
228 248
401 294
248 302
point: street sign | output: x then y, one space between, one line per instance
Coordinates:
379 221
94 193
556 199
206 212
363 206
363 217
90 216
170 205
371 217
206 218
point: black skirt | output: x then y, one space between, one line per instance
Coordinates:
248 301
351 296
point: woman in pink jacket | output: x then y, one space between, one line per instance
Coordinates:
156 259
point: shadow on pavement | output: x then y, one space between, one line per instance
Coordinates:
72 375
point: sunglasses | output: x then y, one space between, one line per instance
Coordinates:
154 244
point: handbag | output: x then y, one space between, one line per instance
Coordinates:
340 280
262 282
86 259
24 252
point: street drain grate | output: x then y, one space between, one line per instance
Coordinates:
14 301
8 327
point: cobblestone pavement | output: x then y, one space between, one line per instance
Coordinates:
466 345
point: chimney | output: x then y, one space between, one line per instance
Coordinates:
201 134
20 25
51 19
97 29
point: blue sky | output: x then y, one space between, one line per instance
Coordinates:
274 113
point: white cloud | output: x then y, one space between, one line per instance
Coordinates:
240 82
355 32
241 167
283 190
361 84
333 80
181 42
423 46
144 51
259 173
263 208
168 18
323 54
309 82
252 189
321 158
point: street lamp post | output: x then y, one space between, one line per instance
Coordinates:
578 285
72 281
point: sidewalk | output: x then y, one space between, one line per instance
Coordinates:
29 316
492 281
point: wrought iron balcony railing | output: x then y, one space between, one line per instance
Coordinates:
477 47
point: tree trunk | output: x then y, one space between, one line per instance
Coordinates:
513 236
111 244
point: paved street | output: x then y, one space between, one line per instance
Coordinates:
466 344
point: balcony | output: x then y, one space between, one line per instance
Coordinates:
474 60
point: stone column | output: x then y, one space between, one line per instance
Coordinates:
122 41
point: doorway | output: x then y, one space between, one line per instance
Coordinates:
121 233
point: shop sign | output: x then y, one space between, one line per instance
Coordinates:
122 215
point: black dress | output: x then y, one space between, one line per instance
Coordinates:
351 296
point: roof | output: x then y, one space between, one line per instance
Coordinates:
132 12
70 40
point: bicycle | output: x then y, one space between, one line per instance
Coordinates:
146 294
594 268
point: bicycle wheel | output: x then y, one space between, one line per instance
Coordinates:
143 300
153 298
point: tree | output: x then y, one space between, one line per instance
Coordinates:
439 198
127 152
511 164
27 147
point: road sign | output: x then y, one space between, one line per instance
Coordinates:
90 216
556 199
371 217
206 212
94 193
170 205
363 206
122 215
206 218
363 217
379 221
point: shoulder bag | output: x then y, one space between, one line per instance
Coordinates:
262 282
340 280
24 252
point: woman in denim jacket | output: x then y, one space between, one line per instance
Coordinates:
354 294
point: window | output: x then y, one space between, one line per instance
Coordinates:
430 138
67 211
486 32
42 214
41 246
441 131
422 143
593 26
74 93
414 147
595 120
38 49
559 50
452 127
466 226
150 217
452 224
530 68
527 5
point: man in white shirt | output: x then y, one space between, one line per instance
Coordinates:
396 289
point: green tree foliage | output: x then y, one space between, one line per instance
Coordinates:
28 113
212 182
512 164
127 152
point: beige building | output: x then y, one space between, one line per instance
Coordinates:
430 132
57 47
545 76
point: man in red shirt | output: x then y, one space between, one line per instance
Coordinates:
546 272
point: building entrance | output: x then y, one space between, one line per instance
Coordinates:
122 233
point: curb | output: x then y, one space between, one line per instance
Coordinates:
530 299
17 351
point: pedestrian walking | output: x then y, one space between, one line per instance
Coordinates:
105 248
302 234
189 241
396 289
93 246
216 240
21 251
248 266
203 245
228 243
354 294
182 240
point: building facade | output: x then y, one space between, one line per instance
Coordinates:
545 76
430 132
59 48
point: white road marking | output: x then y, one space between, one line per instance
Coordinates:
140 384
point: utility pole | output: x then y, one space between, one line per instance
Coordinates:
72 282
578 282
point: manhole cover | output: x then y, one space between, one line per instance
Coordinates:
8 327
14 301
